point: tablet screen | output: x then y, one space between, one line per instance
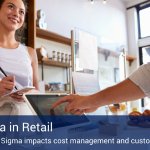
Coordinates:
42 106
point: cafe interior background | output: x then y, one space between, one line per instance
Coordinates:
98 43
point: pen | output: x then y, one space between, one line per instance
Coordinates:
5 75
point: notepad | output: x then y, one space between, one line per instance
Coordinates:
21 90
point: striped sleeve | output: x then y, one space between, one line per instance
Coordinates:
141 77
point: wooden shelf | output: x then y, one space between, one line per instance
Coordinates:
49 62
52 36
130 59
108 53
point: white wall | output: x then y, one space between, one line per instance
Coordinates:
105 21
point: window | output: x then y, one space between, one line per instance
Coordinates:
144 23
143 11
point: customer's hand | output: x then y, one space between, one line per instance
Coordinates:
76 104
6 85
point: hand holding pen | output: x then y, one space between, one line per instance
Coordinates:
3 72
7 83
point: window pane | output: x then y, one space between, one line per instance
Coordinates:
144 22
146 54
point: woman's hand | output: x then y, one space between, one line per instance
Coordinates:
17 96
6 85
76 104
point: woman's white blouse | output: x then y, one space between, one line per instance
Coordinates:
17 62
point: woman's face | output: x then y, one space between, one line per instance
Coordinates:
12 14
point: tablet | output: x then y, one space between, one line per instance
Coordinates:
40 104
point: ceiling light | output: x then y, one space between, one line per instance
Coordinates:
92 1
104 1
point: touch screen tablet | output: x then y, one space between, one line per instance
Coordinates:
40 104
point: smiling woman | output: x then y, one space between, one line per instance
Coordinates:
24 73
12 14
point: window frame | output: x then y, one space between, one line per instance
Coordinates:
139 8
141 62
